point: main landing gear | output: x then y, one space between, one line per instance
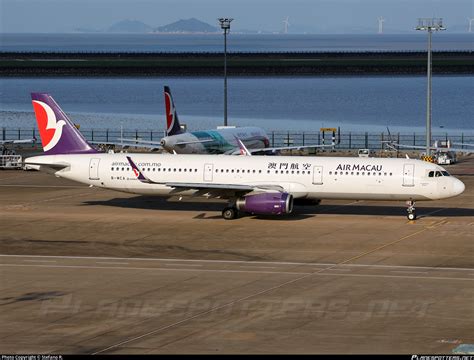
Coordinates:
230 213
411 212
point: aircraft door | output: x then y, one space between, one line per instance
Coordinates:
318 175
94 169
208 170
409 175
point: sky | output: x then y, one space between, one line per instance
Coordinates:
314 16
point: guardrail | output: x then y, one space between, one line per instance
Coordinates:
347 139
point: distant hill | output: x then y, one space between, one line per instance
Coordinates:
188 26
130 26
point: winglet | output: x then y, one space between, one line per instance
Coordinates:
243 149
137 172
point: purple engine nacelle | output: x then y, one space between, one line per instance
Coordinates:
266 203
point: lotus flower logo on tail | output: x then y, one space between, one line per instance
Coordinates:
50 128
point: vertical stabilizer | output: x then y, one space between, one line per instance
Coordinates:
173 126
58 133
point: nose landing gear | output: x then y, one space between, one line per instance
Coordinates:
411 212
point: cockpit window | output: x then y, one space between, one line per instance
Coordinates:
438 173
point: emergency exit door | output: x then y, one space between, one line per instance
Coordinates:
318 175
409 175
94 169
208 169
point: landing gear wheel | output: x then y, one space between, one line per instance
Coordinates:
411 210
230 213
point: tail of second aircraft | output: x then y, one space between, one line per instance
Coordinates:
58 133
173 126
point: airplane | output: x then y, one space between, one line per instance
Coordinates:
259 185
219 141
393 145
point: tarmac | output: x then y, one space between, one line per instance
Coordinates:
92 271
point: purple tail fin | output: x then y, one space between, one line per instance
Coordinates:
172 123
58 133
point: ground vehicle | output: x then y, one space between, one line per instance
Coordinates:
445 157
10 162
365 153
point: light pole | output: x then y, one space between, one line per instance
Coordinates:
430 25
225 25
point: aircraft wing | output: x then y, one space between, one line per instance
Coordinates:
395 146
457 150
214 190
25 141
273 149
159 143
462 144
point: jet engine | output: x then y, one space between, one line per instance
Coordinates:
266 203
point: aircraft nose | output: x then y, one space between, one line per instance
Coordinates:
458 187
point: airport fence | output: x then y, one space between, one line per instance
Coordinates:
343 140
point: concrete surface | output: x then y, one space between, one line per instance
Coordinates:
86 270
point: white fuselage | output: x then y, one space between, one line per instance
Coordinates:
223 140
303 177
